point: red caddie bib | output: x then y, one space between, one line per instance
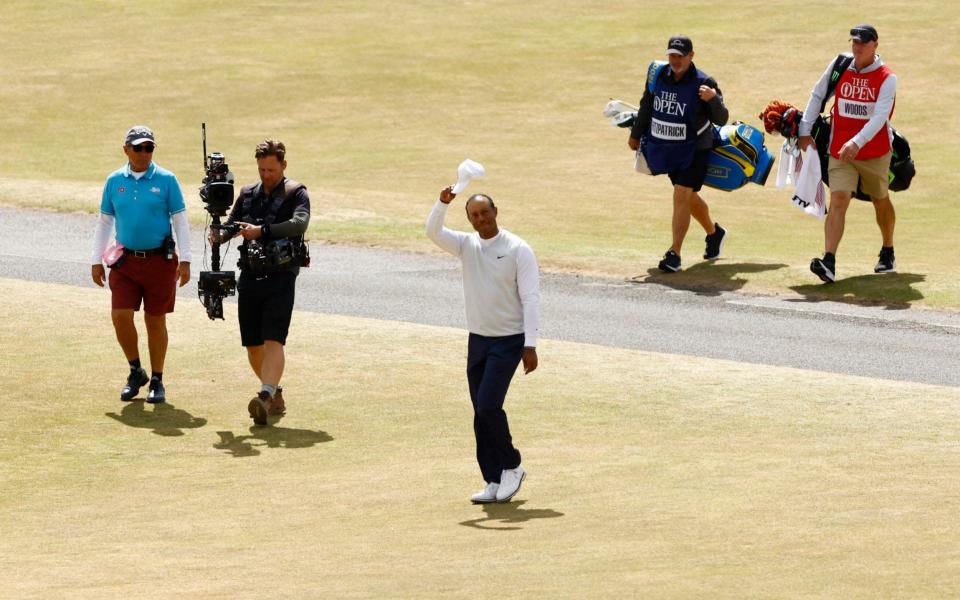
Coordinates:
856 99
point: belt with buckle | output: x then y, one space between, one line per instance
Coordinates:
142 253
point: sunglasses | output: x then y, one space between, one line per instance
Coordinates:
143 148
864 35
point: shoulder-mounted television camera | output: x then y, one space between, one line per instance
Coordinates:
217 189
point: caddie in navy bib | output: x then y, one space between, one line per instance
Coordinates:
669 145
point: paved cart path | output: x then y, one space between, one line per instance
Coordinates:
908 344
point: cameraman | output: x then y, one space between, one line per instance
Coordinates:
272 217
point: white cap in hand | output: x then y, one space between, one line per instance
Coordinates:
467 170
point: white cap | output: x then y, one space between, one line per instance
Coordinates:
467 170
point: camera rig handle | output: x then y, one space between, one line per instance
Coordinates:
203 135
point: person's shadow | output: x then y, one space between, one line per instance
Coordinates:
894 291
507 514
165 418
269 437
707 278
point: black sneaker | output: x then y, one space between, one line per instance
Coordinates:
715 242
259 407
824 269
670 262
888 262
136 380
157 393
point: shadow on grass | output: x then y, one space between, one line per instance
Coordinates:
239 446
707 278
509 513
894 291
165 418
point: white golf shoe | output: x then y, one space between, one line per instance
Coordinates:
510 481
486 495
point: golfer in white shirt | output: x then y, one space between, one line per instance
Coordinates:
501 293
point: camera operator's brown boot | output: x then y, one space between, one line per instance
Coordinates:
259 406
277 407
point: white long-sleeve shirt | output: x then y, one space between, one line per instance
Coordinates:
881 112
501 280
104 229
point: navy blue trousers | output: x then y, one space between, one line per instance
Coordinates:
491 363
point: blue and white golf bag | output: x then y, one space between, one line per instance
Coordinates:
738 157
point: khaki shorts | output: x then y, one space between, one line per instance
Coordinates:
873 174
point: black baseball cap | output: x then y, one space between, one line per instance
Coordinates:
864 33
680 44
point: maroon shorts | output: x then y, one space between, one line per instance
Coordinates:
152 279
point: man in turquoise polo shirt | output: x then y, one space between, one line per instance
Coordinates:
140 200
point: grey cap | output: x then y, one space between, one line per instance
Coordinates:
139 134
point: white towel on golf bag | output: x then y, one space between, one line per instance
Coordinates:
641 165
810 196
789 164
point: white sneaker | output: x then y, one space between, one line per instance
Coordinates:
486 495
510 481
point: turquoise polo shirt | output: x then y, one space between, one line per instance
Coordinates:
142 207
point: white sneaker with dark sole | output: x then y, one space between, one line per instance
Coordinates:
510 481
487 495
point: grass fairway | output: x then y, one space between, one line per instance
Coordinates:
379 101
731 481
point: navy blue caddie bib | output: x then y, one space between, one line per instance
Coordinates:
669 144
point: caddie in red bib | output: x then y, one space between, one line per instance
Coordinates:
860 143
856 103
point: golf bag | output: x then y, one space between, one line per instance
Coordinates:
738 157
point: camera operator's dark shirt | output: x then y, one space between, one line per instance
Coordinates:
292 218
